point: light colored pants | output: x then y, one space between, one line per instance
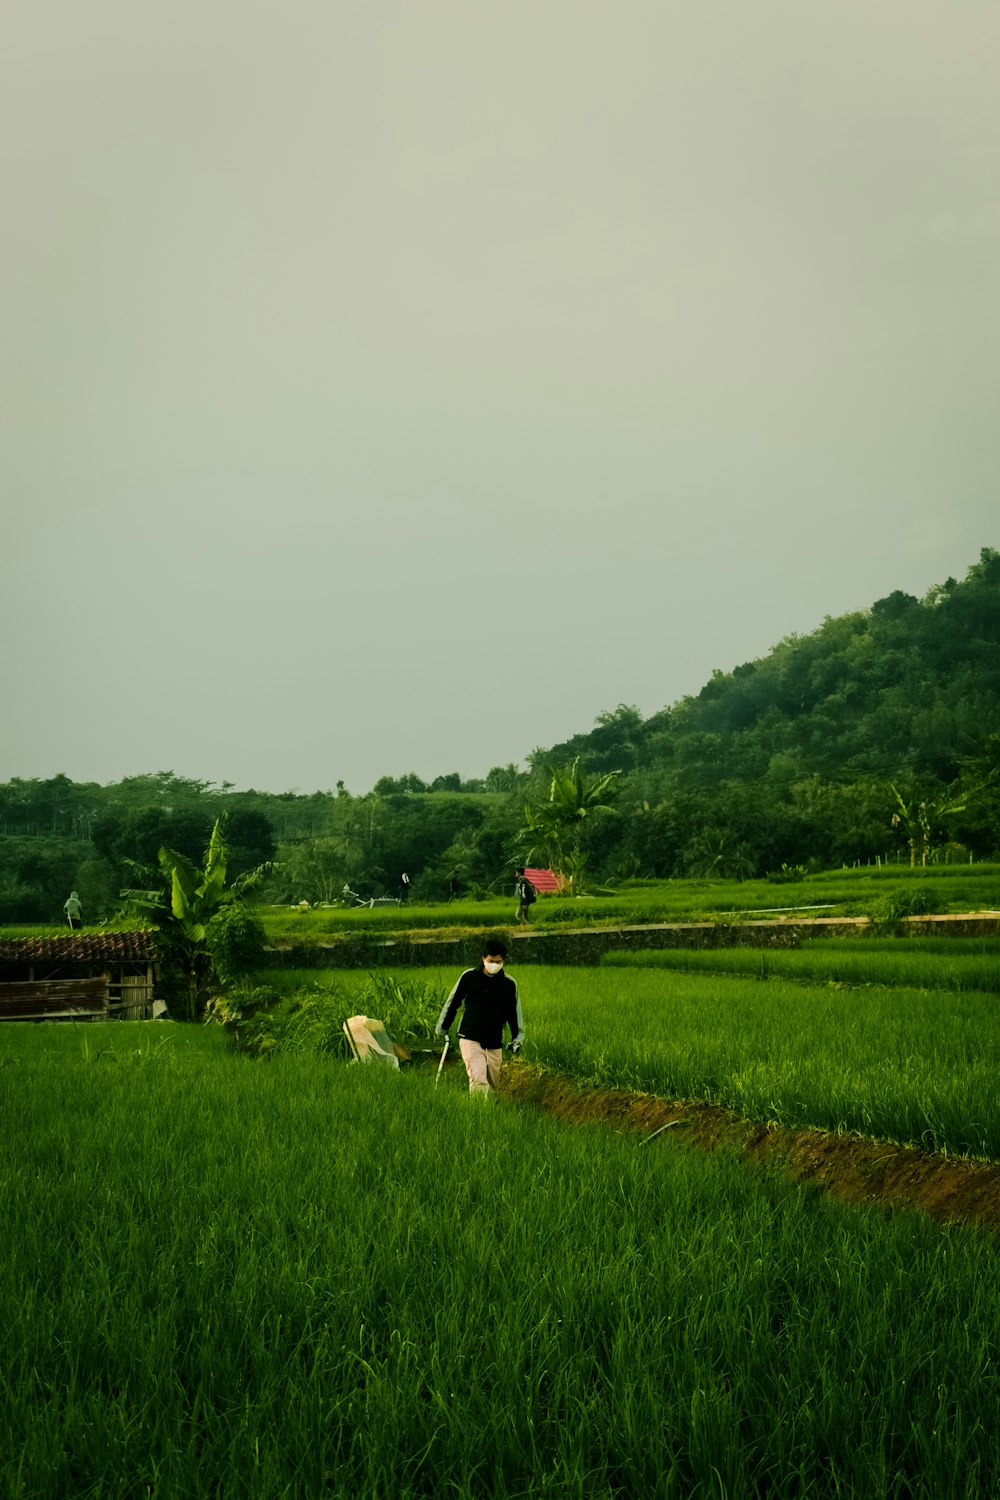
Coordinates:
482 1065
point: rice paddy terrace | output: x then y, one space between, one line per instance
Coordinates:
731 1229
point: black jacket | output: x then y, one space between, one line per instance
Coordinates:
491 1003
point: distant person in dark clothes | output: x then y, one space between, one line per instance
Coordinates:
491 1002
73 910
525 893
404 888
453 886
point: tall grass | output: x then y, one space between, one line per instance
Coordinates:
304 1011
300 925
62 929
306 1280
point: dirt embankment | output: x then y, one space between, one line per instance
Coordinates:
851 1167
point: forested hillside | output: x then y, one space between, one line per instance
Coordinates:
876 735
908 686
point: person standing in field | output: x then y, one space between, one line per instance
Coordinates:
73 910
491 1002
525 893
404 888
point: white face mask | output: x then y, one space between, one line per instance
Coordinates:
492 968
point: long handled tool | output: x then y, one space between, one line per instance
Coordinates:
444 1054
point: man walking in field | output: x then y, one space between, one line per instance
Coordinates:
491 1002
525 893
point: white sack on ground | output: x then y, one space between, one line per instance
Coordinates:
370 1041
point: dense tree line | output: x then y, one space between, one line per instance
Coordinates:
877 734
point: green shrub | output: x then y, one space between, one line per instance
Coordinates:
236 940
894 908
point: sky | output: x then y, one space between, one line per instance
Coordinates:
392 386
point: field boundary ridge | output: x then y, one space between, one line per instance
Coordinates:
585 945
851 1167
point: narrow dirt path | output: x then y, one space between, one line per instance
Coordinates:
851 1167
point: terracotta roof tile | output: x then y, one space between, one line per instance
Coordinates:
82 947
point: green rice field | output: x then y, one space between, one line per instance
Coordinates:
882 893
233 1278
777 1035
923 963
899 1063
862 891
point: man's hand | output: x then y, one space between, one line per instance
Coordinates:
515 1049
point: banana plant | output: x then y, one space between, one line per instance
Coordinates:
182 906
552 829
917 817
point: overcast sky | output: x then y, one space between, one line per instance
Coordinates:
394 385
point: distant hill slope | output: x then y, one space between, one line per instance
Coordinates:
908 686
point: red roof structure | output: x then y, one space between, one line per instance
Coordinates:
545 881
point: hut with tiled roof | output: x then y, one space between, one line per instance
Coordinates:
98 975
